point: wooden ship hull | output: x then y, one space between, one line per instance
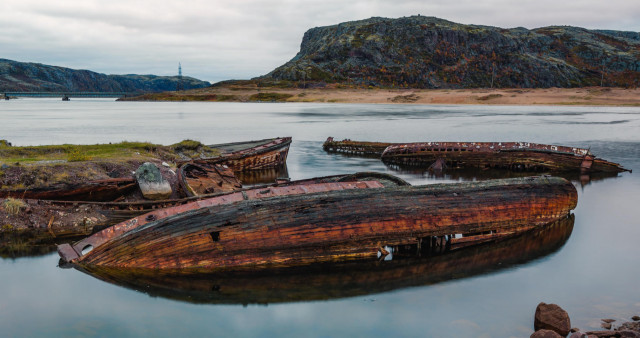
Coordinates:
409 267
517 156
251 155
322 224
202 179
238 156
99 190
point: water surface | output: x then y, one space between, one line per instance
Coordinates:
589 268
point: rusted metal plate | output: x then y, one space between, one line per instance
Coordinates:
339 224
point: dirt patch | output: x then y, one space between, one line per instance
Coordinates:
405 98
489 97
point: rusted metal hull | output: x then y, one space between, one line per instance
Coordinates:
517 156
99 190
261 154
202 179
325 226
409 267
355 147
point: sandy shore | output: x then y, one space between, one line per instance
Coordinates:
543 96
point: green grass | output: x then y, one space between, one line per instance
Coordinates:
73 152
13 206
111 151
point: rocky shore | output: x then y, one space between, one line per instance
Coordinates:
551 321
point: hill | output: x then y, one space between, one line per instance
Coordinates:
427 52
31 77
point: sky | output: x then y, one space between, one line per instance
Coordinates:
217 40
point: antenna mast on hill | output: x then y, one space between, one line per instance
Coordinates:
179 85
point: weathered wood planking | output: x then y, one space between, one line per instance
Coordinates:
332 225
347 279
98 190
261 154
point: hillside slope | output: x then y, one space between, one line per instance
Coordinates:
31 77
427 52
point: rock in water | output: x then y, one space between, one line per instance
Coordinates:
151 182
545 334
552 317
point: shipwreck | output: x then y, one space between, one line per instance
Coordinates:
311 223
515 156
410 266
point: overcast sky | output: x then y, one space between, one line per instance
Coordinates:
237 39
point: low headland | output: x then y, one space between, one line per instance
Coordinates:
249 91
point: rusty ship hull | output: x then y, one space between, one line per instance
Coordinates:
517 156
251 155
409 267
325 226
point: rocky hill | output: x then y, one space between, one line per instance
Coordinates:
31 77
427 52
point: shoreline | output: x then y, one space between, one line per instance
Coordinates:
584 96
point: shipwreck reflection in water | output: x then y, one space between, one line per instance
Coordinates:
409 267
262 176
470 174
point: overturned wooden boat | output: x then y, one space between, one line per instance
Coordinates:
251 155
410 266
517 156
316 223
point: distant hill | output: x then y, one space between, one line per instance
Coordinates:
427 52
31 77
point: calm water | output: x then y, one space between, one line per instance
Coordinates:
588 266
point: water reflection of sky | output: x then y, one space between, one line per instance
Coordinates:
593 275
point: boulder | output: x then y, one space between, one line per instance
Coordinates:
552 317
603 334
151 182
628 334
545 334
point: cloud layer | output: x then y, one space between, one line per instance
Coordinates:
224 39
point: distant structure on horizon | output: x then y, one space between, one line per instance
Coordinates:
179 85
